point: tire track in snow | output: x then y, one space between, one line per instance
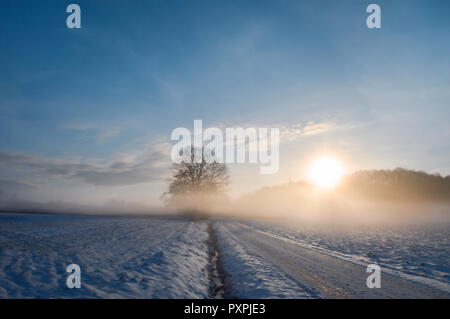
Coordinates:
219 287
251 274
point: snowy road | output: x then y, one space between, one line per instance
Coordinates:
318 275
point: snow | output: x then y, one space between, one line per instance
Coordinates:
120 257
156 257
418 253
251 275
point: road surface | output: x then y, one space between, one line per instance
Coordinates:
324 276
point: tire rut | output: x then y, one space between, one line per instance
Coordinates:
220 286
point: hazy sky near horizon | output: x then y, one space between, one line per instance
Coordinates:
86 114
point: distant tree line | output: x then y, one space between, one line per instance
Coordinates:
398 184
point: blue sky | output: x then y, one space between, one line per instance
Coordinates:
90 111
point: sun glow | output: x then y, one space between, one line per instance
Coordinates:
325 172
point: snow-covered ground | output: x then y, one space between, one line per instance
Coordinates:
299 260
155 257
119 257
251 275
418 250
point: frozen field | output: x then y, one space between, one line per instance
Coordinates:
152 257
118 256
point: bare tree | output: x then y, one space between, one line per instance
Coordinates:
196 185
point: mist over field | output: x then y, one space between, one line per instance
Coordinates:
367 196
397 196
378 196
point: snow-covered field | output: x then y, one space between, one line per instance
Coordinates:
155 257
119 257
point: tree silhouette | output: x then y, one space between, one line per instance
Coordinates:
399 184
196 185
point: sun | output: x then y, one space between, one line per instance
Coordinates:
326 172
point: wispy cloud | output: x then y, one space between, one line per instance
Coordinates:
289 133
142 167
98 132
10 188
